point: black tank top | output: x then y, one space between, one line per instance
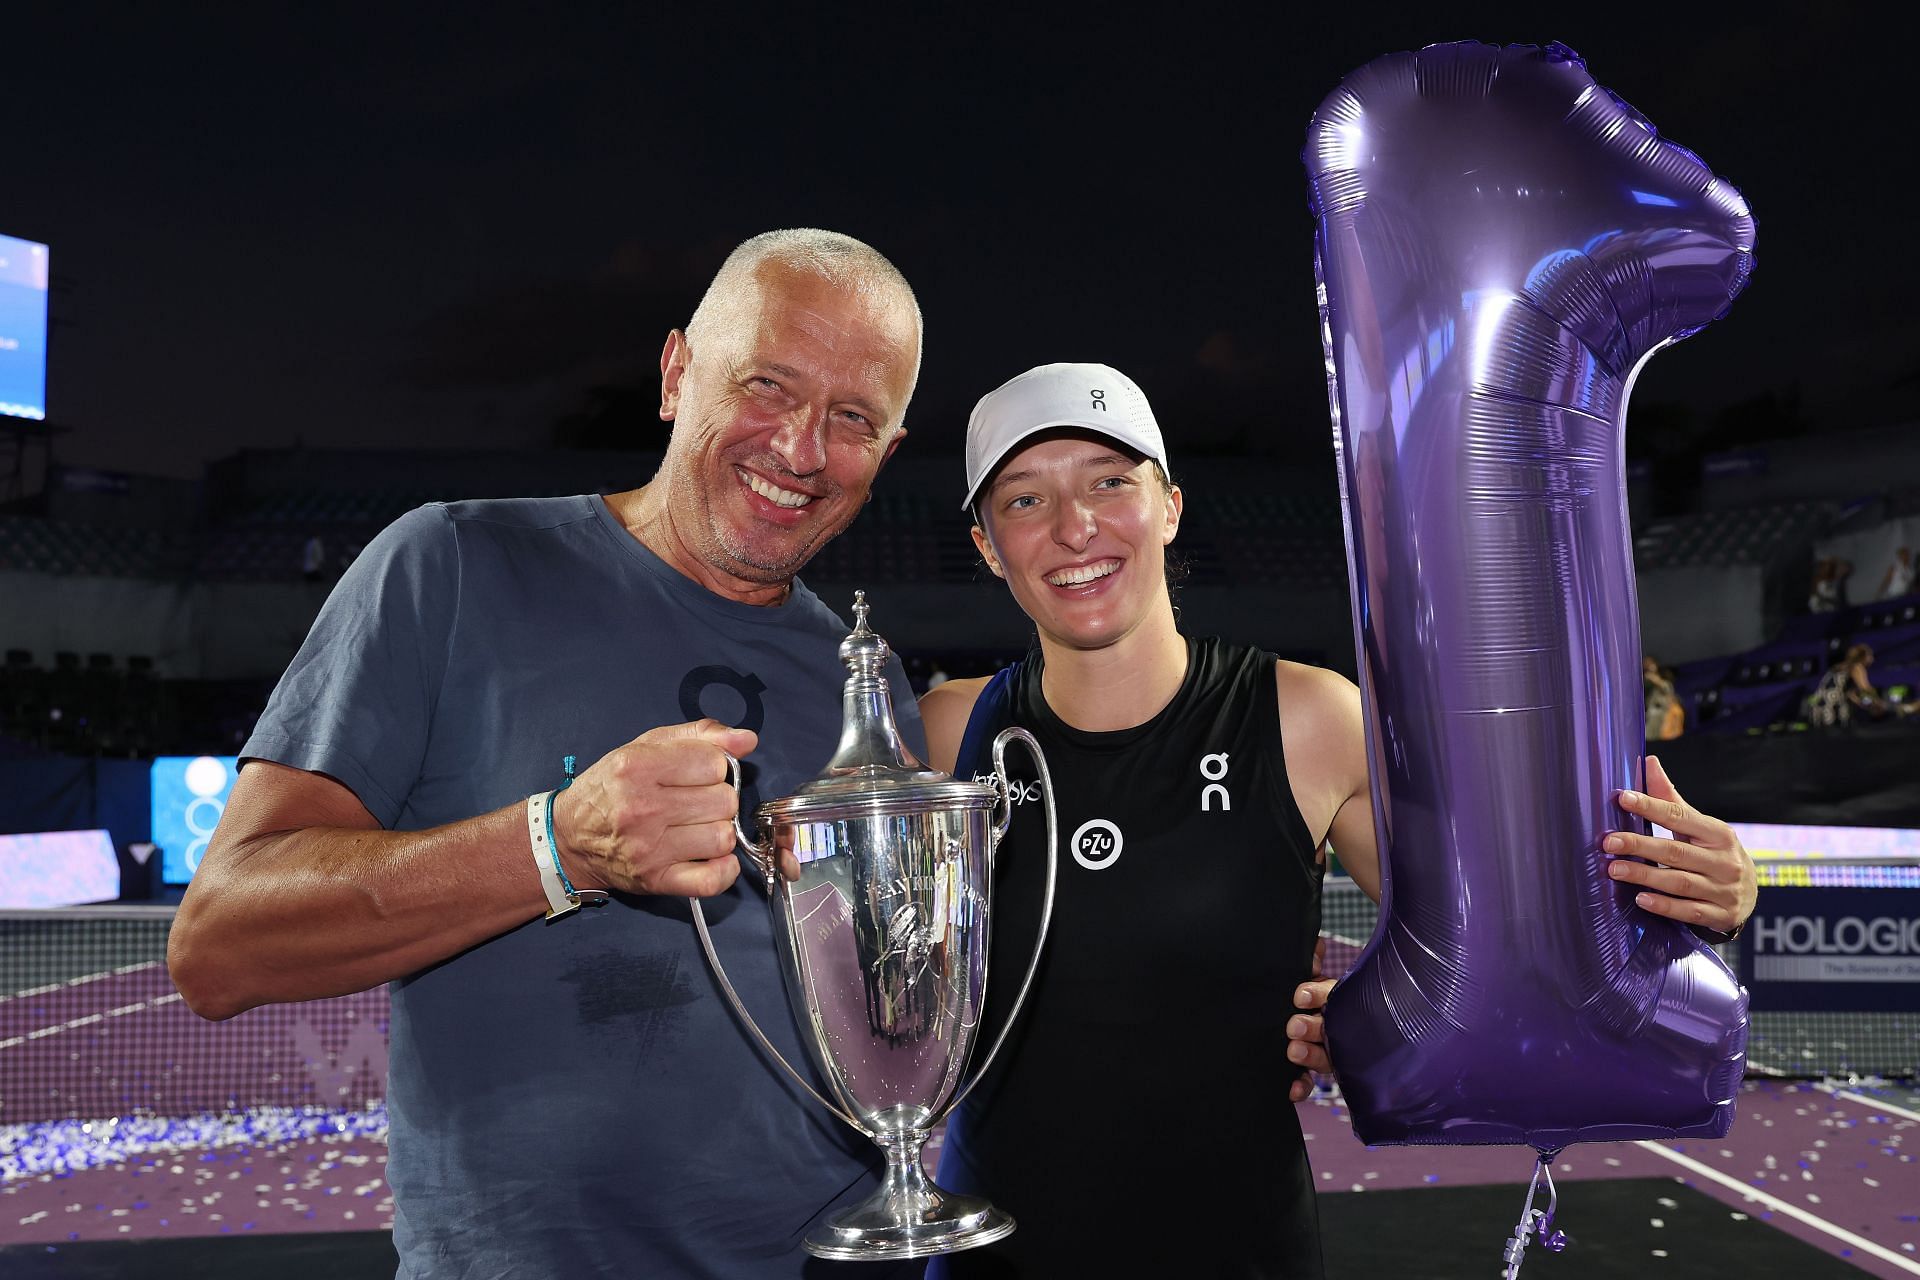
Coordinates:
1137 1118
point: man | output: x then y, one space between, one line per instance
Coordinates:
570 1098
1899 578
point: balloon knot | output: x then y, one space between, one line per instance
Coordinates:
1535 1223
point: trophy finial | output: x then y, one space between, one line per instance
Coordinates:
864 652
869 738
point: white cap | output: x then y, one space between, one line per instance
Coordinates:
1093 397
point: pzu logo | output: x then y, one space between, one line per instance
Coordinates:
1214 769
1097 844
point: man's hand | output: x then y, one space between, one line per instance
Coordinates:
655 816
1703 875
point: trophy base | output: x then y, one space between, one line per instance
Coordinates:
884 1227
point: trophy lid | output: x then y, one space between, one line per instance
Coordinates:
872 770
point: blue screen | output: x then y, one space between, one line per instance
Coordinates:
23 328
58 869
189 795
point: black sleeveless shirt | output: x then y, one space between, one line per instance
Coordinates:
1137 1118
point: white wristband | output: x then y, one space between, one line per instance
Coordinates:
562 900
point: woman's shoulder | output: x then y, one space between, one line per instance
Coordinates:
1305 690
1315 691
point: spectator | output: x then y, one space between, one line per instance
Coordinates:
1845 692
1666 717
1829 585
1899 579
313 559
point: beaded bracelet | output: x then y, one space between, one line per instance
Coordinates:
562 898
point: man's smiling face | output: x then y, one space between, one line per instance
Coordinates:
781 421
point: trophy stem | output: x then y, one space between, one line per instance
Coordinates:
909 1216
905 1181
906 1178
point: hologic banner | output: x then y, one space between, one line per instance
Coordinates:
1841 949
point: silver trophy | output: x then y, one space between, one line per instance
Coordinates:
883 941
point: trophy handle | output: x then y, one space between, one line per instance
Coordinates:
763 859
761 856
733 998
1017 734
1001 819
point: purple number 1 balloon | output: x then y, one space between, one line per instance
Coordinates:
1502 243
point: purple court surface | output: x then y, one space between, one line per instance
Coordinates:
270 1126
1837 1168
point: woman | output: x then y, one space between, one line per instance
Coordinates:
1666 715
1846 691
1133 1120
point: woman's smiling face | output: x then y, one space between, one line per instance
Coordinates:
1078 526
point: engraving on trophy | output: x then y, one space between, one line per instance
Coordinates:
826 911
908 938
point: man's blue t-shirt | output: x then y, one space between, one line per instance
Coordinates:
576 1098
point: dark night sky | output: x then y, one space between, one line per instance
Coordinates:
441 230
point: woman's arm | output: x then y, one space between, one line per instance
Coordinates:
944 710
1326 754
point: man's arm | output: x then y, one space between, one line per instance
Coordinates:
302 895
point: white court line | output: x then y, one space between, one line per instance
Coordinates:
90 1019
122 971
1755 1194
1781 1206
1851 1096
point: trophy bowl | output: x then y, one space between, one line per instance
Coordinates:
883 943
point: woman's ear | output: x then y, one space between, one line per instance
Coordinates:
1172 529
985 549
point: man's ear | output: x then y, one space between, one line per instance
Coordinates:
673 367
985 549
899 434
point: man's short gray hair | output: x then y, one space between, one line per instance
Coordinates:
839 259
